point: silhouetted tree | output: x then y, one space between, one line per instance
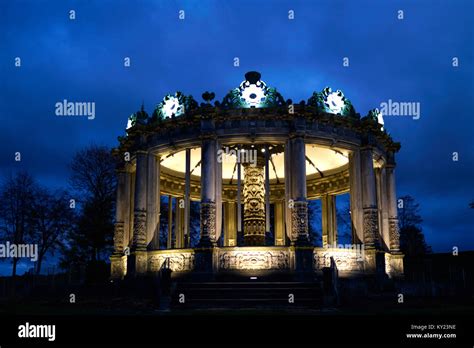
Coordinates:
93 174
16 201
412 239
409 213
53 219
93 180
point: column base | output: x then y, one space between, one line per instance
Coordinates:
204 260
206 242
118 266
303 258
254 240
302 241
138 263
374 262
394 265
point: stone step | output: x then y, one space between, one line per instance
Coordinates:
246 303
273 285
247 294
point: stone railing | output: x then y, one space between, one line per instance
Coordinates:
257 258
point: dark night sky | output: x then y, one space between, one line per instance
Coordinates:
405 60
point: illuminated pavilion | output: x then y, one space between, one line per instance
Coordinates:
241 158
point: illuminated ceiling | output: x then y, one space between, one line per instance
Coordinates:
317 159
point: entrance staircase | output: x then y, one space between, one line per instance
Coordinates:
247 294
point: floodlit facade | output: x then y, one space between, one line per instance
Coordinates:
253 161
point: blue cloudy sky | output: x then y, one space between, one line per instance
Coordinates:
408 60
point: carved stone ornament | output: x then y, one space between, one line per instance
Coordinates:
371 227
299 220
394 232
179 262
272 259
139 229
119 237
346 259
208 220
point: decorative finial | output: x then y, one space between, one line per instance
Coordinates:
208 96
253 77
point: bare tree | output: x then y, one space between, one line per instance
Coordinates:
412 239
93 173
94 181
53 218
409 214
16 201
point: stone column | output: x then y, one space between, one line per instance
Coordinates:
267 190
139 260
369 200
118 259
218 184
153 203
169 240
394 233
299 213
394 259
355 184
208 193
288 191
120 211
254 203
131 202
239 199
329 221
370 214
230 224
279 223
187 202
178 225
380 178
128 208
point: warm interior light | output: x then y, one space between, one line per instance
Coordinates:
323 158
